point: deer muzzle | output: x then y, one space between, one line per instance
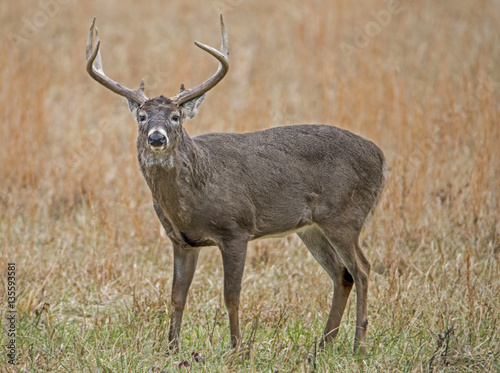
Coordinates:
157 139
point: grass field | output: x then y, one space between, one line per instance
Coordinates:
93 269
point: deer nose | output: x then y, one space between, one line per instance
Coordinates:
156 139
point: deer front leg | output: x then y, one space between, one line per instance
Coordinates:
185 260
233 260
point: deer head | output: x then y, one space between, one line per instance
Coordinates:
160 119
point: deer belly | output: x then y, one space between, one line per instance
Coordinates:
273 224
286 233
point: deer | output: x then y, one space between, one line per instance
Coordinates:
226 189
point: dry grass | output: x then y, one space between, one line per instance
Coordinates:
94 272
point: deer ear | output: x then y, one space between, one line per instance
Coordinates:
133 106
190 108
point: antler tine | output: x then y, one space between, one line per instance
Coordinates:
222 56
224 39
90 39
94 68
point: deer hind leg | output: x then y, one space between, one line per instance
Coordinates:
345 242
325 254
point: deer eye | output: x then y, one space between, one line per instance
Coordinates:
142 117
175 118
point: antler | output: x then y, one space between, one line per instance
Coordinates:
94 68
222 55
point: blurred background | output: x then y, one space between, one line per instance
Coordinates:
421 79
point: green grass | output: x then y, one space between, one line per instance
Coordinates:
130 341
419 321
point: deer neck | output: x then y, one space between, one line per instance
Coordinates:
177 177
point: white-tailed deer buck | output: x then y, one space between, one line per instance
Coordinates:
225 189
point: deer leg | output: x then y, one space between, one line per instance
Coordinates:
185 260
343 285
358 268
325 254
233 260
362 299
